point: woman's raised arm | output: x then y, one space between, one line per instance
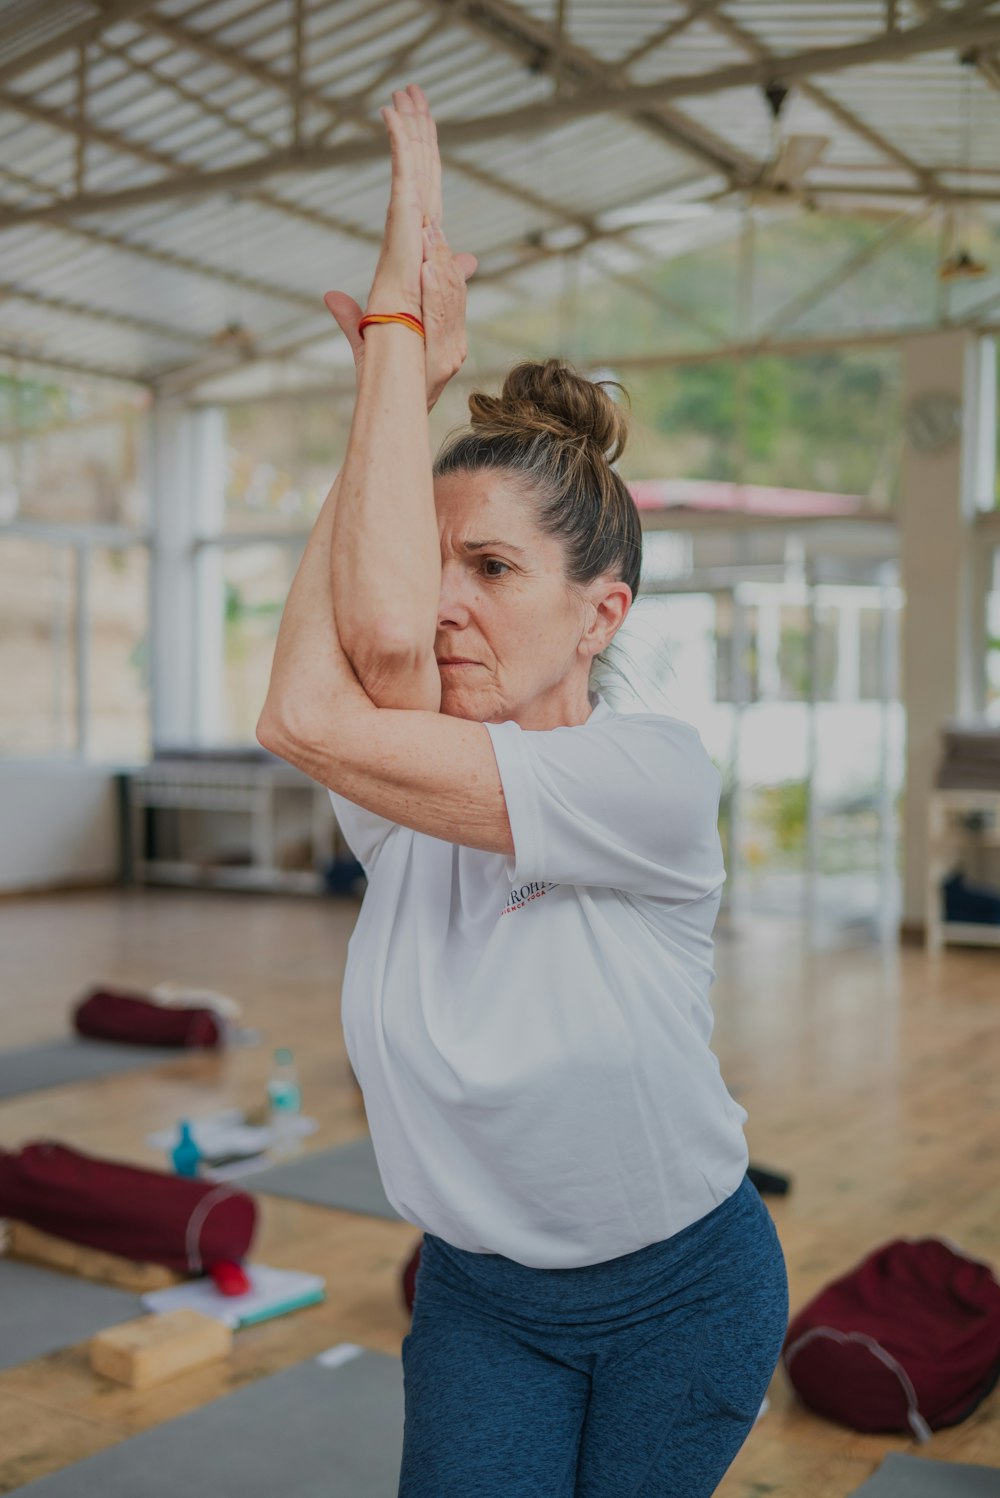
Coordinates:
386 564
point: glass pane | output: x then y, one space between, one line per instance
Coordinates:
38 696
70 453
827 653
774 800
255 582
119 708
828 423
283 456
996 432
993 643
666 655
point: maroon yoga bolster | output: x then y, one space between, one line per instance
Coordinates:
151 1215
106 1014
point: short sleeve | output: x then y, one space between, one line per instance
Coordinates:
630 803
364 830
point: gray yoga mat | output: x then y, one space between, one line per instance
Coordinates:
902 1476
74 1059
42 1310
311 1430
346 1177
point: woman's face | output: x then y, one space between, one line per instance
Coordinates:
505 609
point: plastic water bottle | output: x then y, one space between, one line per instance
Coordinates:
186 1154
285 1099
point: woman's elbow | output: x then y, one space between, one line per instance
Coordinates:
269 733
280 732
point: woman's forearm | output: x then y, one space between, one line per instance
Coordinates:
312 683
386 560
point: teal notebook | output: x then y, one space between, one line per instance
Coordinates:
272 1292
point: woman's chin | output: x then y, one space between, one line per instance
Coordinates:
463 700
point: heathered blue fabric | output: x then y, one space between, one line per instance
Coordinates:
639 1377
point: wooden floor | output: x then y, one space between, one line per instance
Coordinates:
871 1076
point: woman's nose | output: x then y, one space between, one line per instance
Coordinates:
453 606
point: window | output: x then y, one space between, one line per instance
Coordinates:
38 647
74 565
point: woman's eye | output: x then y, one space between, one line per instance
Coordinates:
495 562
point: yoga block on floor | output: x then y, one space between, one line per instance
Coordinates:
154 1348
36 1247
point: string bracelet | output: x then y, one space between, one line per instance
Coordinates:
404 317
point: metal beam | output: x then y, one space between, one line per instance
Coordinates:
73 366
973 314
169 258
331 389
196 184
534 43
394 66
74 36
628 101
926 179
10 291
126 145
897 230
987 66
666 34
341 111
518 34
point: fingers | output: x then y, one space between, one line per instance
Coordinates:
347 314
438 253
413 139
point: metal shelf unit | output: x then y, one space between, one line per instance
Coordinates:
191 852
943 844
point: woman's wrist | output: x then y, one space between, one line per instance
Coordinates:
384 297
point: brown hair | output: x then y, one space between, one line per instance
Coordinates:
557 433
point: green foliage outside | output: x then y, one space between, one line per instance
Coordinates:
828 420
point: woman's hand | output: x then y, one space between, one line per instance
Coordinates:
440 277
414 201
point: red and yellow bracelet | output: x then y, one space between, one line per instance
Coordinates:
403 317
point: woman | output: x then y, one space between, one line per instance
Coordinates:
601 1299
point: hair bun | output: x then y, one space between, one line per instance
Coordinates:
553 397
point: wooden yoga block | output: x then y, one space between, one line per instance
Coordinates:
26 1242
153 1348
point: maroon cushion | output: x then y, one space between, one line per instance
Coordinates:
107 1014
909 1339
151 1215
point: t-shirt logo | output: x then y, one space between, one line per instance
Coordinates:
524 894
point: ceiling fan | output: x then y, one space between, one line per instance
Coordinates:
780 179
235 337
777 184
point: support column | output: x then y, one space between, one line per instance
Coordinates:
943 625
185 657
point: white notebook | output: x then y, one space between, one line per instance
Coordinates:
272 1292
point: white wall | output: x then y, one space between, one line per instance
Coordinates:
60 825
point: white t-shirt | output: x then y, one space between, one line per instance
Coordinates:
531 1035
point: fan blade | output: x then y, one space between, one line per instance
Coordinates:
798 153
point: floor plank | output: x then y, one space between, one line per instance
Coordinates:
871 1076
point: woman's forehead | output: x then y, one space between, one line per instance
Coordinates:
476 499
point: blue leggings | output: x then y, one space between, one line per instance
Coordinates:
640 1377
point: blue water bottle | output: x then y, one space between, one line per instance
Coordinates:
186 1154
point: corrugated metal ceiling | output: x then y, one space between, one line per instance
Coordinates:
101 98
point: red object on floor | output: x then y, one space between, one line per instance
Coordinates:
909 1339
150 1215
230 1278
107 1014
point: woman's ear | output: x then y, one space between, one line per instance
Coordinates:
611 605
